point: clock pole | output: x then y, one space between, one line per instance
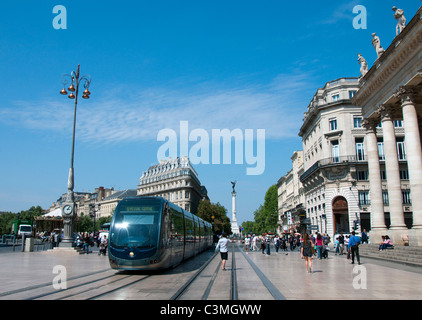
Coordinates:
69 206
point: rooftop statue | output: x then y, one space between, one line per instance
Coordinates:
377 45
363 65
401 19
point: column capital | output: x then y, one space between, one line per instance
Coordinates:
407 94
370 125
386 112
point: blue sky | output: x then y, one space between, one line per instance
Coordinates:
218 64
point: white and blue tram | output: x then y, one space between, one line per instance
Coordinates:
150 233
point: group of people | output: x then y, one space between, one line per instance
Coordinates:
85 240
309 247
385 243
251 243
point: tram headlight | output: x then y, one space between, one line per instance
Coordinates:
131 254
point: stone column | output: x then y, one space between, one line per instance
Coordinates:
377 207
413 151
235 226
392 170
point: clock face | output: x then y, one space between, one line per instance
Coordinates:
67 209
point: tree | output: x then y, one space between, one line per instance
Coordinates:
266 216
207 210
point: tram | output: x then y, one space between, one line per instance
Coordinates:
151 233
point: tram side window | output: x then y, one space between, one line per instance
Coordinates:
190 230
177 227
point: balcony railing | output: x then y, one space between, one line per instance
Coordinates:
329 161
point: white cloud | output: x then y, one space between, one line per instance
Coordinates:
276 107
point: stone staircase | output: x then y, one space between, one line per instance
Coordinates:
401 254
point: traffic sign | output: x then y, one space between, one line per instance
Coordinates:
312 227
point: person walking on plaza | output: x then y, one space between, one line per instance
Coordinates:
222 245
247 244
319 244
306 252
267 244
364 236
341 243
276 243
353 246
254 245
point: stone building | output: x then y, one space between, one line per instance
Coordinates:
389 92
336 181
291 198
175 180
110 203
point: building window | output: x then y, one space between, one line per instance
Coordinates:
381 154
363 198
357 122
187 194
333 124
401 150
406 197
398 123
360 152
362 175
404 174
383 175
335 153
336 97
385 200
352 94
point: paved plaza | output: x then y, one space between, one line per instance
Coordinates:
334 278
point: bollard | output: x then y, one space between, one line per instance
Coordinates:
29 244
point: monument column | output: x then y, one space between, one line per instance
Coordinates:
235 226
393 172
378 227
413 151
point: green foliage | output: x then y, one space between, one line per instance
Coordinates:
7 218
207 210
266 216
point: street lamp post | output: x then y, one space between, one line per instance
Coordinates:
69 206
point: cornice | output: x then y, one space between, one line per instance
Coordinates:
398 54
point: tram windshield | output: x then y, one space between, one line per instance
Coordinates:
136 224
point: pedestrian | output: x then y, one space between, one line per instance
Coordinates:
103 246
283 244
337 246
353 246
263 245
341 243
276 243
364 236
292 243
247 244
222 245
306 252
267 244
254 243
319 244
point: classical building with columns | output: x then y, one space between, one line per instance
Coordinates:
389 92
335 178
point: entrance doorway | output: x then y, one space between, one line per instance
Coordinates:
341 215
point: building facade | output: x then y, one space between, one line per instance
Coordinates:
291 198
389 92
336 178
175 180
